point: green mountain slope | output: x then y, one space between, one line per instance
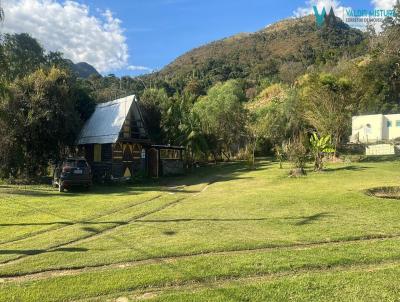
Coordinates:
84 70
285 49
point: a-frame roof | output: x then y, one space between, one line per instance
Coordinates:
106 122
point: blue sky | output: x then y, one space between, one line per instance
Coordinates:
130 37
158 31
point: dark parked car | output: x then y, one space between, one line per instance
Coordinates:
72 172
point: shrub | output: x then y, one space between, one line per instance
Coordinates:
297 154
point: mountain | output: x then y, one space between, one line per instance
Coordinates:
284 49
84 70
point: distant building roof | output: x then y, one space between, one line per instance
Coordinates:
106 122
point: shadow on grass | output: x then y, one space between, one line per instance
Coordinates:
37 252
169 233
62 223
313 218
202 219
46 192
346 168
221 172
302 220
122 189
19 190
211 173
380 158
392 192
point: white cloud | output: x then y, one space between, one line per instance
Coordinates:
338 8
70 28
139 68
383 4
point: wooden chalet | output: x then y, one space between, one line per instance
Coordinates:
116 143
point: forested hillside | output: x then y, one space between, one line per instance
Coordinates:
248 94
284 49
84 70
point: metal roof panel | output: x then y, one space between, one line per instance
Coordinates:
105 124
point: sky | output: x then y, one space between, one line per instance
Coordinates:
132 37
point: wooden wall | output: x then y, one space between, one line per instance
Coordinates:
126 159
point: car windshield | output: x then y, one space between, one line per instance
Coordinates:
75 163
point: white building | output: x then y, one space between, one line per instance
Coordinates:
375 128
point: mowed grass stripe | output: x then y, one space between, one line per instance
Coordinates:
364 283
94 234
74 270
37 208
203 269
89 219
87 233
69 222
45 195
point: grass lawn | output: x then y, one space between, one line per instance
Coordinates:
225 233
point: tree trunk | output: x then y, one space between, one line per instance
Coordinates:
226 155
318 166
215 157
254 155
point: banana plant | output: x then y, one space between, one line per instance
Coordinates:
319 147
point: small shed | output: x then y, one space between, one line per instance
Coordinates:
116 143
168 158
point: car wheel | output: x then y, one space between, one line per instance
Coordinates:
61 187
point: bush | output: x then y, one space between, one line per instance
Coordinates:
297 154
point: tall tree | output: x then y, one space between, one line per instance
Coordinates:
22 55
182 126
223 115
328 102
153 103
39 117
275 116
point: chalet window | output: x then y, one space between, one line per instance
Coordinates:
136 151
117 152
106 153
389 124
127 154
127 129
398 124
97 153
